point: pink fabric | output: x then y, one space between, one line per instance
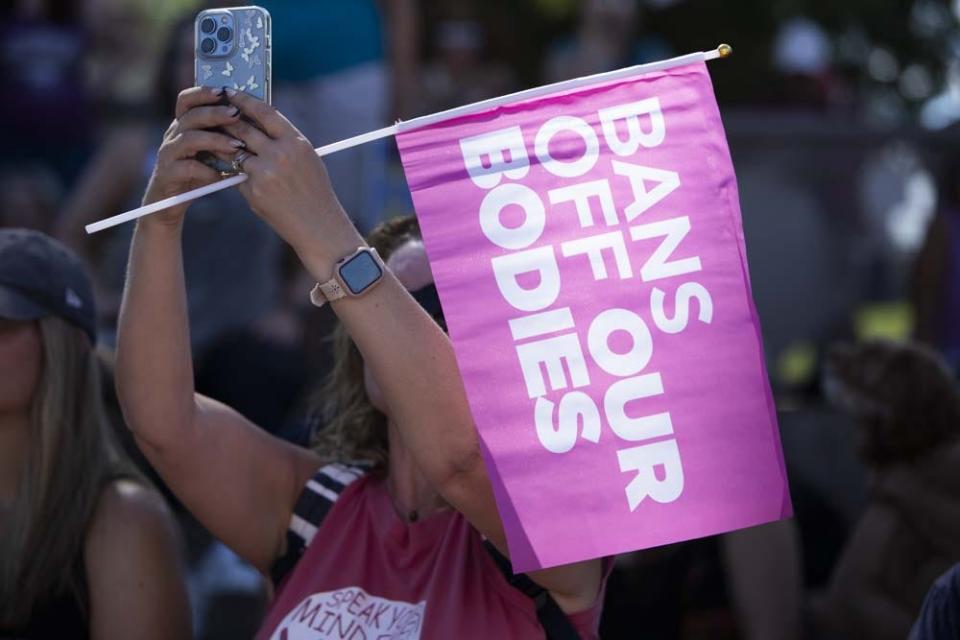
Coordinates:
592 452
368 575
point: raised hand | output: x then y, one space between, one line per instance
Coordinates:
289 188
177 170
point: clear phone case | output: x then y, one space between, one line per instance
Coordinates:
233 50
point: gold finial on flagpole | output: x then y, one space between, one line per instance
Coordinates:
724 50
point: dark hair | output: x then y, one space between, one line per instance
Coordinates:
904 395
353 429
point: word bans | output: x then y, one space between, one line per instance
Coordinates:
491 157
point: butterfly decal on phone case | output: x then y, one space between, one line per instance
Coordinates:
233 49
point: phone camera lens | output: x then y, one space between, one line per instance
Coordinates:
207 45
208 25
223 34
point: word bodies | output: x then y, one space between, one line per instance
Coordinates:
598 178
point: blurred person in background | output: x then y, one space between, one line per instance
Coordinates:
762 567
907 405
606 39
46 109
123 39
341 69
745 584
935 284
461 70
87 549
29 197
407 526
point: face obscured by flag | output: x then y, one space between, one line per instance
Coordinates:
589 255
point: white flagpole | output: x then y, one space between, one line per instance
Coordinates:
722 51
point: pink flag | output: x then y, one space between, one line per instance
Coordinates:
588 251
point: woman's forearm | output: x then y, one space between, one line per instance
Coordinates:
408 354
414 365
154 371
410 357
154 368
223 468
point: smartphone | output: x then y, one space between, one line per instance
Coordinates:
232 49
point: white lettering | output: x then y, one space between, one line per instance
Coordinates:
644 460
534 216
541 261
674 230
542 323
580 194
643 199
620 364
630 113
491 146
572 168
685 292
575 407
627 390
593 247
552 353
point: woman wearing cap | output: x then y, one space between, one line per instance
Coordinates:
394 552
86 549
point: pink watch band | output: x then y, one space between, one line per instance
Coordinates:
327 292
334 288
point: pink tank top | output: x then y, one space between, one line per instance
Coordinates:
368 575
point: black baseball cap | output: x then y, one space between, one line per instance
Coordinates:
39 277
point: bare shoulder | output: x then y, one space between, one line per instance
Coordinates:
135 570
127 508
131 527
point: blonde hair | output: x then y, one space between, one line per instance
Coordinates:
351 428
71 456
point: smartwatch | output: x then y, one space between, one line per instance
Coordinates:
352 276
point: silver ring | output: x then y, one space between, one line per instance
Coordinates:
239 160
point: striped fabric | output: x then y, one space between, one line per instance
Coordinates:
323 490
316 500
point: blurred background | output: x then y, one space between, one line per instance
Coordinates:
842 121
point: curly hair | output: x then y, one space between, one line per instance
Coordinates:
904 396
353 429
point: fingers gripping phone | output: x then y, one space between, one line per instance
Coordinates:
232 49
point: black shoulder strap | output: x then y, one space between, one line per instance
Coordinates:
316 500
552 618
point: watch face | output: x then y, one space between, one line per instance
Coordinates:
360 272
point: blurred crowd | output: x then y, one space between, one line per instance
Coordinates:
850 178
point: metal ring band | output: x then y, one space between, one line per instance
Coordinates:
239 160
